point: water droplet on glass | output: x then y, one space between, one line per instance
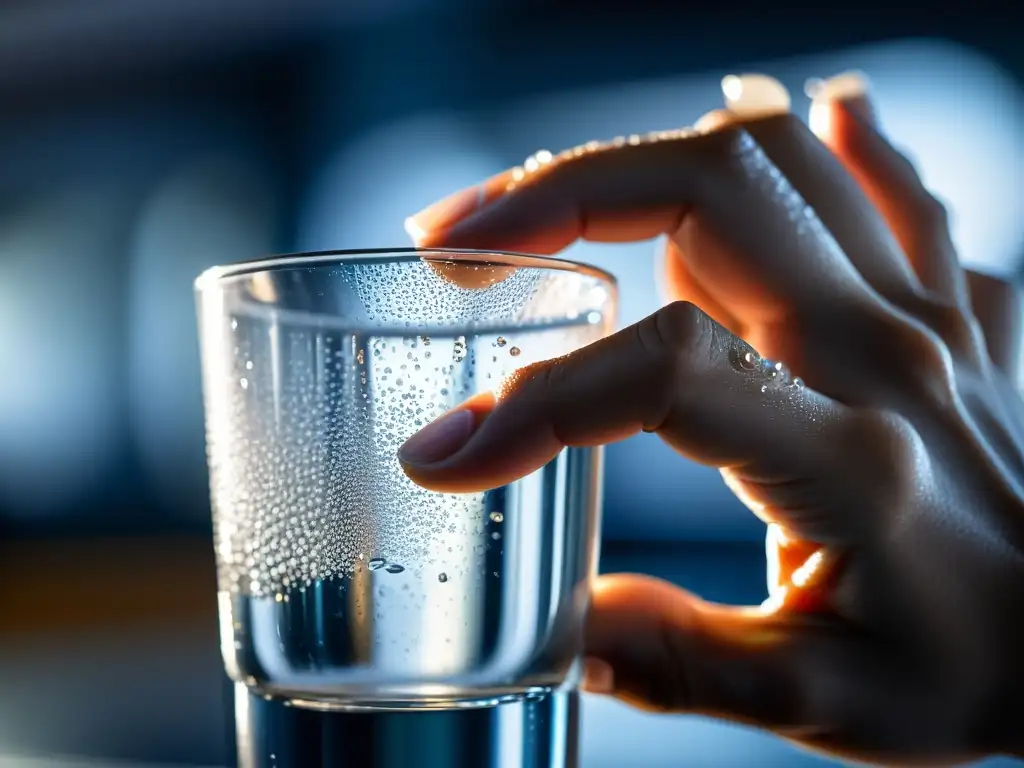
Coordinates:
500 341
496 517
515 351
459 349
749 361
442 577
376 563
394 568
243 383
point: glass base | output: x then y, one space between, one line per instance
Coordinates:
426 704
539 730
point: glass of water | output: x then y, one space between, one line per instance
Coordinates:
343 585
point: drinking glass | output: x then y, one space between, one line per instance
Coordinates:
341 584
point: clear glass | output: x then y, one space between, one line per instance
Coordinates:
341 583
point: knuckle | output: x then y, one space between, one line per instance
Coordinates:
958 329
680 331
892 451
917 356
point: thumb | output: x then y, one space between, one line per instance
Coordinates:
659 647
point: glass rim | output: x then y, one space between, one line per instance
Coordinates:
213 276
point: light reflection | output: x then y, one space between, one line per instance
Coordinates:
59 412
214 210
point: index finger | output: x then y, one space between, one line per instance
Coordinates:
551 201
761 247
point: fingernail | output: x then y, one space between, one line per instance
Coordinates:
851 89
598 676
439 439
753 95
444 212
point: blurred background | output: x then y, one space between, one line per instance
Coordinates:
143 141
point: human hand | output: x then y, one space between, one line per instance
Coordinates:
892 482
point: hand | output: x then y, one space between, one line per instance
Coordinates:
892 482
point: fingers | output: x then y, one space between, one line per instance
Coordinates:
683 376
748 237
842 205
844 118
997 306
761 106
668 650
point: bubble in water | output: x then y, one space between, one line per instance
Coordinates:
442 577
376 563
243 383
496 517
515 351
394 568
798 383
500 341
495 535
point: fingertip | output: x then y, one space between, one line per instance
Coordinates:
503 445
755 95
838 101
444 438
598 676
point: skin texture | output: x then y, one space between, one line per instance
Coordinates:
892 483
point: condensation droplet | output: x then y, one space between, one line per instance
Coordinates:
442 577
496 517
376 563
394 568
515 351
500 341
